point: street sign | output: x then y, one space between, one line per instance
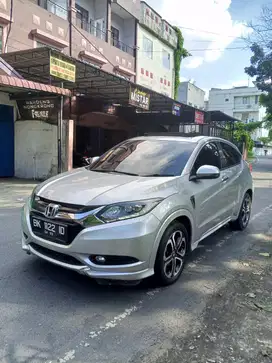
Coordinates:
62 69
139 98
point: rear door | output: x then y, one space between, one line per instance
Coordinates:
208 195
231 168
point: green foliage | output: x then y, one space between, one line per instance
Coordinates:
242 133
261 68
264 140
180 53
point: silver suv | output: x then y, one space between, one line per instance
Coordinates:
140 208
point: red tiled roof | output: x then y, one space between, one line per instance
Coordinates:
23 83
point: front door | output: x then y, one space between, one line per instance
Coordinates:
6 141
208 194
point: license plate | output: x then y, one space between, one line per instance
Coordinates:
49 230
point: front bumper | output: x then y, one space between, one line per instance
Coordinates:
134 238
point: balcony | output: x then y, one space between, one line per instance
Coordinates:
56 7
153 21
92 27
123 29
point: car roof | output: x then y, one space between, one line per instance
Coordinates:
195 139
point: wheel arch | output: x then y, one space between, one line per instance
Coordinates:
183 216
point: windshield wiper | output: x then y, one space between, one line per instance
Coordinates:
159 175
113 171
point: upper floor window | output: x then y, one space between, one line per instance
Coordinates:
245 100
57 7
148 47
166 58
256 100
115 36
41 45
1 40
82 16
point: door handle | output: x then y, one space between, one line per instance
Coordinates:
224 178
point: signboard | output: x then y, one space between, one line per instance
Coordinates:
176 109
139 98
62 69
199 117
44 109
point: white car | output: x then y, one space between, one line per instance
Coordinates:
140 208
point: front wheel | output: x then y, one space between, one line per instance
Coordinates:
171 254
244 215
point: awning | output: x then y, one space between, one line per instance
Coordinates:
219 116
15 85
91 81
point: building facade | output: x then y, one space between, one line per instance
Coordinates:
241 103
103 31
191 95
156 42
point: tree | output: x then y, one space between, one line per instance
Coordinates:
261 61
265 140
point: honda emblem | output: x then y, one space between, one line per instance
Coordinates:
51 210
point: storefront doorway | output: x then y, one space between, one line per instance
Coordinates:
6 141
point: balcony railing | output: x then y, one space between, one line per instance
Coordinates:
54 8
92 28
122 46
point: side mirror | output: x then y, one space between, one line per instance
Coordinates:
206 172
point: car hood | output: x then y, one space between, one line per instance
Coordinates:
84 187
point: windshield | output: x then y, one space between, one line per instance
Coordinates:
146 158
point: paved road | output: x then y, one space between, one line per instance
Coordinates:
48 314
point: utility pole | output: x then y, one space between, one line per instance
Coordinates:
70 26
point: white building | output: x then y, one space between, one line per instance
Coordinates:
241 103
191 95
156 41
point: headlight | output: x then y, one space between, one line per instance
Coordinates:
32 197
126 210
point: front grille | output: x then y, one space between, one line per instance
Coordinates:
39 204
56 255
73 229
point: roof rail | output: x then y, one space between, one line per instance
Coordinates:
181 134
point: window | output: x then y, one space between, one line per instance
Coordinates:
209 155
229 156
115 35
226 100
146 158
41 45
256 100
166 59
148 47
82 17
57 7
245 100
1 39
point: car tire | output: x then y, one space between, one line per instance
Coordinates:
171 254
244 215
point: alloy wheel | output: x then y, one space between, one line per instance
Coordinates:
246 210
174 254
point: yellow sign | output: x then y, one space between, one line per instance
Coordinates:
62 69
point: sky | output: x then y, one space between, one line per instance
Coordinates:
213 31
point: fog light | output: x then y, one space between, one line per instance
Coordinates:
100 259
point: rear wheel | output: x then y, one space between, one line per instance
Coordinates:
244 215
171 254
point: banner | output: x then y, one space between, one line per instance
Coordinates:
139 98
199 117
176 109
62 69
44 109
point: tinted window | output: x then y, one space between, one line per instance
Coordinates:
146 158
209 155
229 156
